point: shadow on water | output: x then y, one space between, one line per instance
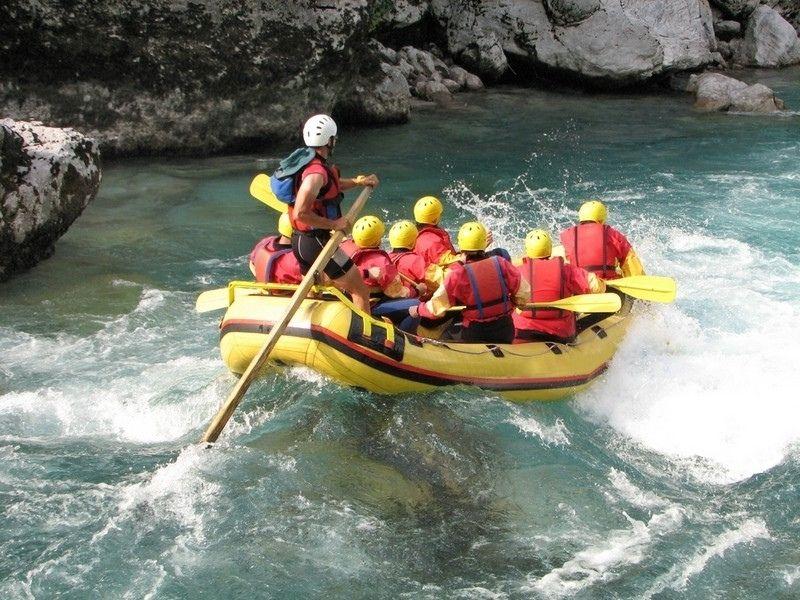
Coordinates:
425 467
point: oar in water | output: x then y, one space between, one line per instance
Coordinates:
583 303
238 391
261 190
646 287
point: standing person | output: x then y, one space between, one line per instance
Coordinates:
317 211
488 286
550 279
272 259
597 247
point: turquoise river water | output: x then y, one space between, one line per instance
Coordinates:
677 475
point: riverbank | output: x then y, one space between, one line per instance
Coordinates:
173 79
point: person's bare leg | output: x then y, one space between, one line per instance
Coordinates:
351 282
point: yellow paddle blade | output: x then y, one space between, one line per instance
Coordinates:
261 190
646 287
584 303
218 299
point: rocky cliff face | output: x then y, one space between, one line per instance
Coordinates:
47 177
603 41
188 77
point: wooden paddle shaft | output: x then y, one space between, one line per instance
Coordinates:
239 390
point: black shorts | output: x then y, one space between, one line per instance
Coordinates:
307 246
496 331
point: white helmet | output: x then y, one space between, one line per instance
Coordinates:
318 131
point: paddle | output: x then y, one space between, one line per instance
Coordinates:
583 303
646 287
217 299
261 190
238 391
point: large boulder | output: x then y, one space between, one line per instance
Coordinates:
736 8
177 76
718 92
602 40
48 177
769 40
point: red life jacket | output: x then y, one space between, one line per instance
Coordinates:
328 201
349 247
411 265
546 278
432 242
489 298
269 263
364 258
586 246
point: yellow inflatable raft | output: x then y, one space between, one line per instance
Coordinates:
331 336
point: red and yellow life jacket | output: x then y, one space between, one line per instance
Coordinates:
328 201
489 297
411 265
587 246
432 242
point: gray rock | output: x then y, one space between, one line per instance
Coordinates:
474 83
389 55
429 90
458 74
403 13
727 29
48 177
769 40
451 85
714 91
756 98
717 92
724 48
569 12
383 97
736 8
168 76
406 68
615 43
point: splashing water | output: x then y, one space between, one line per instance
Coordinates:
674 476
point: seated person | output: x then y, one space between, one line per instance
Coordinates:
272 260
550 279
433 243
379 272
597 247
488 286
418 277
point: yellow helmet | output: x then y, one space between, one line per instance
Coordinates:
285 225
472 237
593 210
428 210
368 231
403 234
538 244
